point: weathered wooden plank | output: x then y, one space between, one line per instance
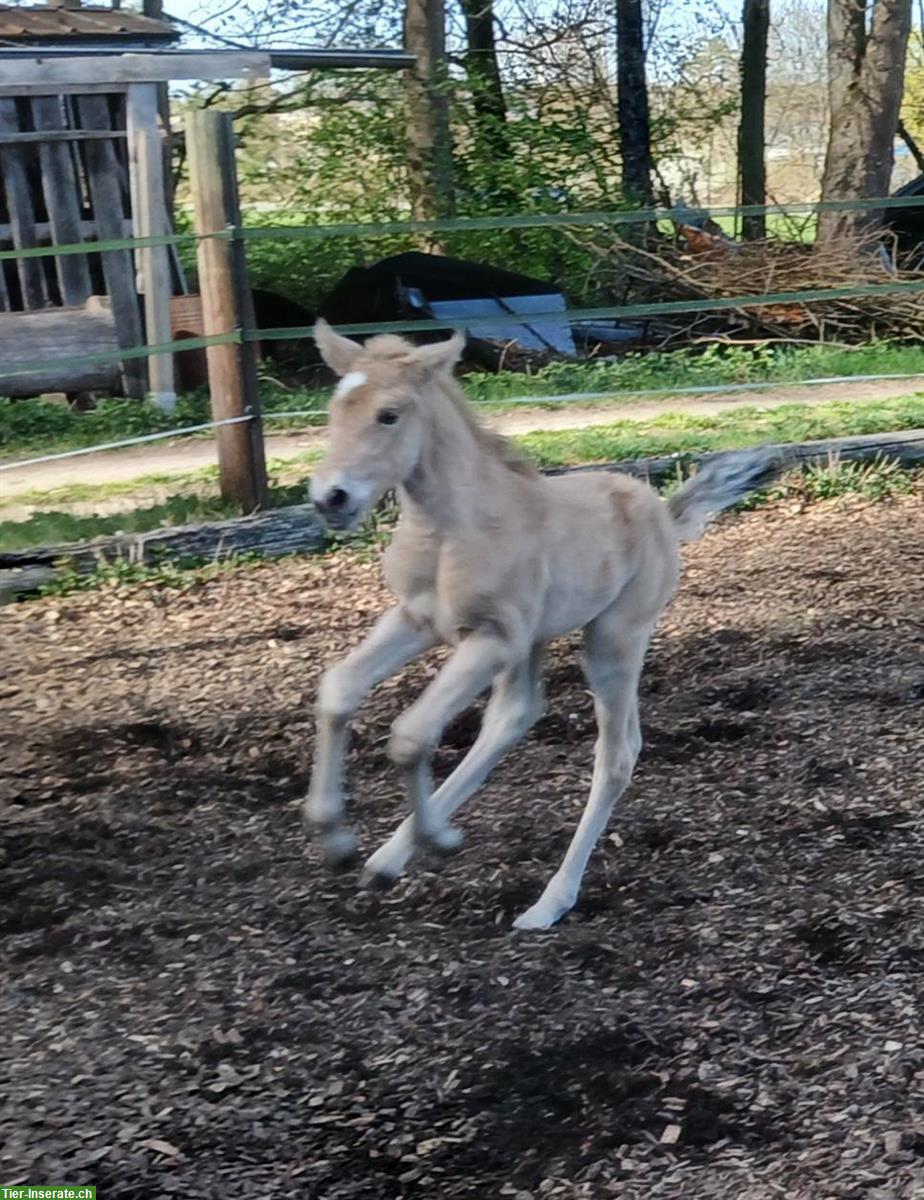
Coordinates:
81 89
55 336
60 186
43 234
106 186
28 136
147 176
15 179
107 69
24 581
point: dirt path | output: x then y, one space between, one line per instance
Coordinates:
182 457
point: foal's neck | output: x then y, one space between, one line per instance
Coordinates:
457 481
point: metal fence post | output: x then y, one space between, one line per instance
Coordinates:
227 305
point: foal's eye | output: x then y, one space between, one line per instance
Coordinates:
387 416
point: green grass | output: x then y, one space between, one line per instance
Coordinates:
881 479
685 434
875 481
30 427
39 426
171 573
53 527
79 493
668 434
712 367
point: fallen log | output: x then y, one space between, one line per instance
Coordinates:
905 448
296 530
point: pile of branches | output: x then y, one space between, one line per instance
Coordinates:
489 354
704 264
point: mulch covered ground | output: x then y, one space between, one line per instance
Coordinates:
192 1006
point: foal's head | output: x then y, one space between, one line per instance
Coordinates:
376 420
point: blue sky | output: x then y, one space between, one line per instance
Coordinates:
678 13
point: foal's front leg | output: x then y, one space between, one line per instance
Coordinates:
417 732
393 642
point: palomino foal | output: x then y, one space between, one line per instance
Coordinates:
495 560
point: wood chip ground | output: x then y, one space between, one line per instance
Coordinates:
193 1006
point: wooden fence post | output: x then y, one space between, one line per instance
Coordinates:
227 305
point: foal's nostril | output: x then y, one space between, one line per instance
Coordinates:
336 499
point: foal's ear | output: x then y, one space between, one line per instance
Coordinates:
437 357
339 352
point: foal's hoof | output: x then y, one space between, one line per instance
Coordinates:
446 840
340 847
377 881
543 914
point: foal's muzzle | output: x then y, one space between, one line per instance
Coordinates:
337 508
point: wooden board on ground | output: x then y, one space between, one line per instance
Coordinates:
57 336
294 530
905 447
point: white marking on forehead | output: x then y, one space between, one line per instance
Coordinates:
353 380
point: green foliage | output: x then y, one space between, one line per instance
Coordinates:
180 574
54 527
713 366
882 479
35 426
38 424
49 527
671 433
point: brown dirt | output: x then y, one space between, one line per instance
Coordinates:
193 1006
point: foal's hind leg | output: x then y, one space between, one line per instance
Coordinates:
613 666
394 641
515 705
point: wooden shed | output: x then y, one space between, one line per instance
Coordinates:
82 159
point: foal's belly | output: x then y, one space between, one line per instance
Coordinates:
581 584
591 538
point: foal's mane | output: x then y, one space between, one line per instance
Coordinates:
495 444
388 347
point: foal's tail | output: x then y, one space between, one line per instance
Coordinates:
718 484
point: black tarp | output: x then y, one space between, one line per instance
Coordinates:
399 288
908 223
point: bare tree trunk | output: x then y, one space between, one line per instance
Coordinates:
866 70
429 144
632 99
751 156
491 142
